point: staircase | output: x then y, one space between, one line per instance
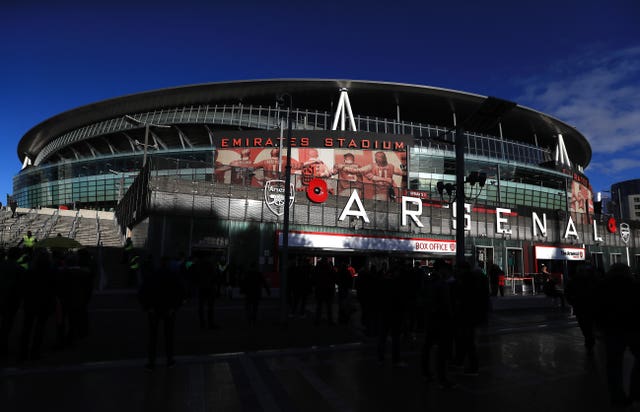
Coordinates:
86 231
62 226
47 222
110 234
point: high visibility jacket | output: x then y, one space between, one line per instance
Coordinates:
23 261
134 263
28 241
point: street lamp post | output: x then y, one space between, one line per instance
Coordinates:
486 116
460 197
284 259
147 125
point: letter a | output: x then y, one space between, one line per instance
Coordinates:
356 213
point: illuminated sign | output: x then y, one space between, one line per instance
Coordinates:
338 242
559 253
261 139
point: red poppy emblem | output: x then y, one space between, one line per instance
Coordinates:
317 190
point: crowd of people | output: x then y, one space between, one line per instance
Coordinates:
47 286
396 302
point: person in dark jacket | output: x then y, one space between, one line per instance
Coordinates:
206 280
81 274
11 278
300 287
325 284
161 294
391 298
471 293
580 293
617 309
437 299
344 281
365 287
39 303
495 274
252 286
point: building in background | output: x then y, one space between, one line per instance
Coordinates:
373 170
625 200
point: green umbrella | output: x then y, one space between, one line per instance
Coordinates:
60 242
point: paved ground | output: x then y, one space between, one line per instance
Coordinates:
532 359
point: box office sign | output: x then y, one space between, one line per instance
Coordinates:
318 240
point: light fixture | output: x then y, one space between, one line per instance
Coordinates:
474 178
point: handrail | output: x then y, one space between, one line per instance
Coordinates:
48 225
98 234
74 226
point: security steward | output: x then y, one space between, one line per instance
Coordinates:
29 241
134 268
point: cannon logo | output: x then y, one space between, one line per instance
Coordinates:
274 195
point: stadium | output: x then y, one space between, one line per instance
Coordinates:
201 169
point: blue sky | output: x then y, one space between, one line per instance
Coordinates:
576 60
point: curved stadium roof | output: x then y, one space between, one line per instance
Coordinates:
419 104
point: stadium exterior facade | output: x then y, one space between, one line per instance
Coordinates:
373 169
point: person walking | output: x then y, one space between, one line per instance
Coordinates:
366 293
161 294
471 304
11 294
437 301
252 286
127 250
13 205
206 280
325 287
391 297
344 280
580 293
617 308
496 279
133 272
300 288
39 303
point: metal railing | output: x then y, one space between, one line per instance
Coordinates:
47 226
98 234
265 118
74 226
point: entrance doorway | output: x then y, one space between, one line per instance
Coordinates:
514 262
597 260
484 255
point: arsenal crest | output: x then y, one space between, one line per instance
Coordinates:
274 195
625 232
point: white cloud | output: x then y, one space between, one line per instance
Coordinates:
614 166
599 94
